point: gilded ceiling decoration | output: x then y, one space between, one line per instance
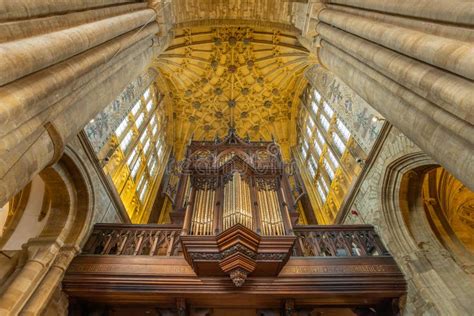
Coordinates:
231 12
244 77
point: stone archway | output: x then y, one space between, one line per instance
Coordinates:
436 282
449 207
69 203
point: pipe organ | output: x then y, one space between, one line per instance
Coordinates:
234 181
203 209
233 214
237 202
270 214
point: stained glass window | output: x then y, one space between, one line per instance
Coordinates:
122 127
314 107
140 120
322 194
310 123
327 109
149 105
328 135
142 148
343 129
143 191
333 159
324 123
338 142
135 168
146 94
328 169
317 147
132 157
136 107
126 140
316 95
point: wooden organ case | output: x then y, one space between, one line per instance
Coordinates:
235 204
233 248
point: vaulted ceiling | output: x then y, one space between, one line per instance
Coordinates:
231 11
246 77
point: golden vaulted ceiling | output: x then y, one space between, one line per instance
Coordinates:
250 78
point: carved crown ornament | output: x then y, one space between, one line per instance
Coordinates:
237 252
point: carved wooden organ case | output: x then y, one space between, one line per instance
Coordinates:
234 201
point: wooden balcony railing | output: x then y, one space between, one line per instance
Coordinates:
345 266
164 240
134 240
337 241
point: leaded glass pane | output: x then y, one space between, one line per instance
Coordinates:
343 129
328 110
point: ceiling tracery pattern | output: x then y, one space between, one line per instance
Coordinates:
233 76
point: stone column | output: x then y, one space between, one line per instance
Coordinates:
60 70
411 66
40 255
409 112
45 291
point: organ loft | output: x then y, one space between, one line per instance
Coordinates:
234 243
236 157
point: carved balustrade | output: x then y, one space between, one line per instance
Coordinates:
313 265
164 240
337 241
134 240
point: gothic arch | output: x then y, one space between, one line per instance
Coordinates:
412 242
68 199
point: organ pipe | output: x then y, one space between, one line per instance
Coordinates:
203 213
224 197
270 213
237 205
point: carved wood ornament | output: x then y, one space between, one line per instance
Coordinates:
237 252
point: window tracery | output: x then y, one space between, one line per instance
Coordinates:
327 152
140 145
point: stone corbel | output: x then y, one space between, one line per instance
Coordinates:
58 142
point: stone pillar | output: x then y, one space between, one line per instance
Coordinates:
411 66
413 115
45 291
64 61
40 255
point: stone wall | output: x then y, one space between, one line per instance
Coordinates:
106 207
437 284
79 197
62 63
58 305
104 124
354 111
411 61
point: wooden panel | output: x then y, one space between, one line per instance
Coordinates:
352 268
310 281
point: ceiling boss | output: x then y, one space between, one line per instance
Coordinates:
240 77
